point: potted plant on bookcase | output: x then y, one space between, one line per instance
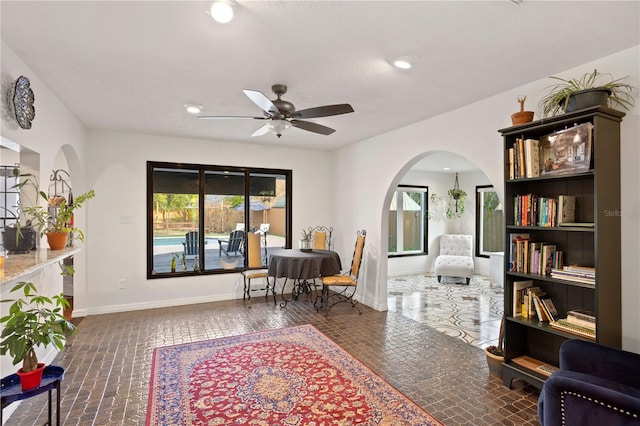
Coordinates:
495 353
584 92
33 320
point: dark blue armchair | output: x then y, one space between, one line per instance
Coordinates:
596 385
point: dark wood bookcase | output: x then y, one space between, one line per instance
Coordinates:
597 192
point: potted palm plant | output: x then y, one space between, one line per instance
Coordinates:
33 320
586 91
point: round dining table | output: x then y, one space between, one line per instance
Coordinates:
302 266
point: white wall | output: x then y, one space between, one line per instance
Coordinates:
472 131
117 248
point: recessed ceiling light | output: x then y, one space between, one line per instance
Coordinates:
193 108
403 62
446 168
221 12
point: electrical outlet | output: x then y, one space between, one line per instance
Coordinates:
122 284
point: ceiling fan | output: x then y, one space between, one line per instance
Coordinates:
282 114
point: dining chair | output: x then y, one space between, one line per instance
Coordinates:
321 237
255 269
341 288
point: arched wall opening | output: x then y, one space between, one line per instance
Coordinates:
437 170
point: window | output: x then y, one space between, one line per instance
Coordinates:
489 221
197 216
408 221
9 196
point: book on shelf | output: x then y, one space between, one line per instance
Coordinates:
582 318
587 270
579 224
518 295
548 251
550 308
512 172
513 249
564 325
572 276
530 294
583 323
535 365
566 209
532 158
583 314
542 315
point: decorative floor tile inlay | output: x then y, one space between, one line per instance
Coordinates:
469 312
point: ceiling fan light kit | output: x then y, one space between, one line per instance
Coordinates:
282 114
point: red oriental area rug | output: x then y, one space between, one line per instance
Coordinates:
290 376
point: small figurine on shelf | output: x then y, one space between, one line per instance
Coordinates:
522 116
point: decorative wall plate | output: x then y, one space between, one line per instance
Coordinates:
23 102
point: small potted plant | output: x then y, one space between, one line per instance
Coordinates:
305 240
495 353
587 91
56 221
33 320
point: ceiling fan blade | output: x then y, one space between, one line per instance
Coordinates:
261 131
262 101
323 111
312 127
218 117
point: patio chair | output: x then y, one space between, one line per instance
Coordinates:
191 244
255 261
234 244
321 237
343 287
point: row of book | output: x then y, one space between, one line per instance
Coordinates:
579 322
524 159
581 274
565 151
533 302
532 257
536 210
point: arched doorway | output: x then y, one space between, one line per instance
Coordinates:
469 312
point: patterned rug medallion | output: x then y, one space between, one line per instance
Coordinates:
290 376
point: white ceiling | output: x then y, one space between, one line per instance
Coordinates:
131 66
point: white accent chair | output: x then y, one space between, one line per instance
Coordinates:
456 257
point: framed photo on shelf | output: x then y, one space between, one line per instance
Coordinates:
566 151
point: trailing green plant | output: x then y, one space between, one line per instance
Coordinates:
33 320
455 210
557 96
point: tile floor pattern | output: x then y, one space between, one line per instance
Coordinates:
469 312
108 361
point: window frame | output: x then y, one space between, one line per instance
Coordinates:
202 169
479 228
425 224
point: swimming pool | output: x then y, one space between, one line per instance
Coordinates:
168 241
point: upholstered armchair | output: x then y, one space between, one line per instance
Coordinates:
455 259
596 385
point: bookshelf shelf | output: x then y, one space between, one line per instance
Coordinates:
597 244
